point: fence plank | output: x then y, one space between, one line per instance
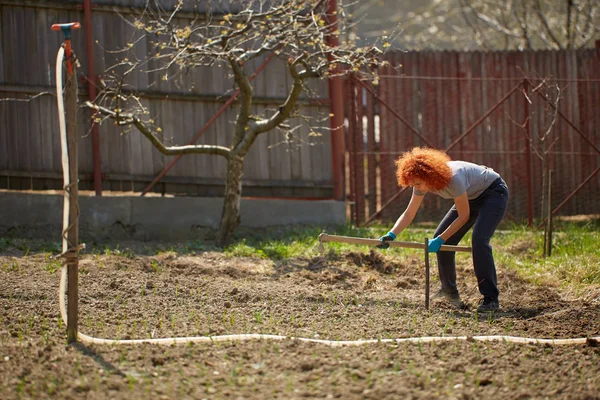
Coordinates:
4 138
3 37
384 128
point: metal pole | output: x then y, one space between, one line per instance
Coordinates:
548 250
426 274
87 12
336 120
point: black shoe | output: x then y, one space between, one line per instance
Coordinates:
489 305
453 299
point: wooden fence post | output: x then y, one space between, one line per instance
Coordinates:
71 252
73 230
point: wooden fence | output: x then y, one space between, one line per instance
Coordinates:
29 139
490 108
434 97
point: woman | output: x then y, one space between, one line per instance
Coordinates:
480 199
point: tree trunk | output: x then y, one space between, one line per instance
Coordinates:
230 218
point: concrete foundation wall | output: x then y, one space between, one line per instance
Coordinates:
157 218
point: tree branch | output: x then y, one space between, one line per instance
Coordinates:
472 25
243 116
544 21
491 22
285 110
523 25
588 19
568 24
123 119
29 98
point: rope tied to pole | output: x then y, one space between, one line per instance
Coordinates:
71 254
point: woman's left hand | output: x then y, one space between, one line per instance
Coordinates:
435 244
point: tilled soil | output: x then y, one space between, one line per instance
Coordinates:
356 295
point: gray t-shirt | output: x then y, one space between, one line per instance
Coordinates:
466 177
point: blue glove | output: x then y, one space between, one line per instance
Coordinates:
388 237
435 244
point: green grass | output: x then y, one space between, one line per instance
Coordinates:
574 264
575 260
303 241
294 242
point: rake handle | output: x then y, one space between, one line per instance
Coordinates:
323 238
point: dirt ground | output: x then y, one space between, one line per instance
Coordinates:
356 295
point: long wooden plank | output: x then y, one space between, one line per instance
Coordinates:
45 105
502 135
515 160
28 120
4 138
3 16
465 86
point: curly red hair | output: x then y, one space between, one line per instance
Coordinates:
427 165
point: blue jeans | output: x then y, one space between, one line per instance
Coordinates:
486 212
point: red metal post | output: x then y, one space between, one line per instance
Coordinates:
351 89
336 120
87 12
359 155
371 158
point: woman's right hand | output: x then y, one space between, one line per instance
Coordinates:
385 239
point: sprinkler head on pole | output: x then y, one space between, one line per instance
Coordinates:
66 28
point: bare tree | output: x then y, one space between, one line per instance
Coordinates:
294 30
542 143
483 24
533 24
547 138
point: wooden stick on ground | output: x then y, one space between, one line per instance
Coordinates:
426 249
323 237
